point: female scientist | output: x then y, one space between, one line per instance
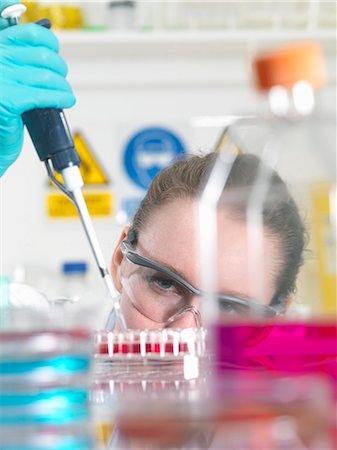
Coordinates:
155 265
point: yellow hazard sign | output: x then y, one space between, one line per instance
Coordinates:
99 203
91 170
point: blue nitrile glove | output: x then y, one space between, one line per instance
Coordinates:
32 75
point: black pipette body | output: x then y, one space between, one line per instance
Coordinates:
50 133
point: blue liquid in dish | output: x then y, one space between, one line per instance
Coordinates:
64 363
53 406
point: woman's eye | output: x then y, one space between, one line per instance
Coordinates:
229 308
165 284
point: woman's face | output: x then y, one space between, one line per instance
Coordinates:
170 238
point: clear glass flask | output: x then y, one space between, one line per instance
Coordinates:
275 181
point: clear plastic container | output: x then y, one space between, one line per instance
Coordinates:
140 344
166 367
74 283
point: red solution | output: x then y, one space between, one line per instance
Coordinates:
278 348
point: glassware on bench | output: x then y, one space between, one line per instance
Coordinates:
45 368
158 364
296 136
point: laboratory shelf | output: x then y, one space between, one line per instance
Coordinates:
189 43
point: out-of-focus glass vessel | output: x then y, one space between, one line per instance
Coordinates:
45 361
296 137
298 134
154 389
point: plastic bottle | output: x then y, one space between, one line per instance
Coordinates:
121 15
301 134
74 282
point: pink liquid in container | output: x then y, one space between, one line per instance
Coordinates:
278 348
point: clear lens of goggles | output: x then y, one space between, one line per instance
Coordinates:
163 299
157 296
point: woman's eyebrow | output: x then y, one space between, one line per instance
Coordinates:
236 294
164 265
171 268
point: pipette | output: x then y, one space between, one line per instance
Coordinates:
53 142
13 13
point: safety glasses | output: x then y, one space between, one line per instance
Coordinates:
160 293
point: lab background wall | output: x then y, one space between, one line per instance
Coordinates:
188 82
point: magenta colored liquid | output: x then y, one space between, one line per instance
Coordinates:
136 348
285 348
147 347
125 348
183 347
104 348
169 347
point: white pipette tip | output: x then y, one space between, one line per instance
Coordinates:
73 182
13 11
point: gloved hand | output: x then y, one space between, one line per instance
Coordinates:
32 75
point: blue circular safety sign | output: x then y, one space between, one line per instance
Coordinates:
149 151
